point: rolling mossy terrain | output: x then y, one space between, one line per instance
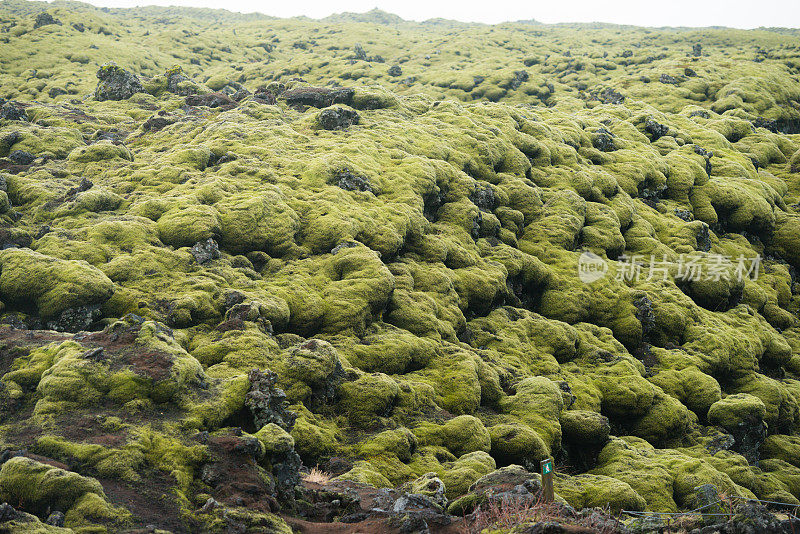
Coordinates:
233 245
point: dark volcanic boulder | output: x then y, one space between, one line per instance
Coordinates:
318 97
267 402
12 111
337 118
211 100
352 182
655 129
20 157
610 96
667 79
205 251
45 19
116 83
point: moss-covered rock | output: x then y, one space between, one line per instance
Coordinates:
50 284
734 410
461 435
41 488
100 151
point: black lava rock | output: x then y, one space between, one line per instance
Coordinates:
75 319
116 83
667 79
211 100
358 52
604 141
655 129
483 198
318 97
337 118
610 96
267 402
20 157
12 111
520 77
352 182
205 251
45 19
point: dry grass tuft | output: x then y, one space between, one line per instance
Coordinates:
317 476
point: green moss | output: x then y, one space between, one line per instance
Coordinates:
185 226
275 439
592 491
458 476
735 409
313 439
538 403
51 284
400 443
100 151
695 389
364 473
461 435
581 427
368 397
431 277
39 487
516 443
109 462
782 447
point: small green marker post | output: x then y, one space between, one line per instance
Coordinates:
547 480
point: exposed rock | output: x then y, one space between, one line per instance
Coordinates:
358 52
12 111
520 77
483 198
337 118
55 519
157 122
7 141
769 124
267 402
211 100
75 319
667 79
7 513
352 182
430 486
655 129
20 157
318 97
44 19
610 96
116 83
205 251
56 91
604 140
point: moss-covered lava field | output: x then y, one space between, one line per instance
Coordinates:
234 248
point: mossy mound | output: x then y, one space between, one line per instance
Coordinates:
525 241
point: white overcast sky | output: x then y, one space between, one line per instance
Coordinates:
733 13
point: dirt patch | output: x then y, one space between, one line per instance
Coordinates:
151 503
151 364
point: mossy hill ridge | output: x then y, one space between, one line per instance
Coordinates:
386 219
